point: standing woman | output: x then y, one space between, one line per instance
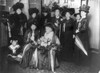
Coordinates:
18 20
33 12
56 20
77 51
68 41
82 30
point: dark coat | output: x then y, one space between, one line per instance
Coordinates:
83 36
16 22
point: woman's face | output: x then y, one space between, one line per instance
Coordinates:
45 13
83 14
57 12
14 42
78 17
18 11
48 29
33 27
33 15
67 15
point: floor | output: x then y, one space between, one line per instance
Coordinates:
65 67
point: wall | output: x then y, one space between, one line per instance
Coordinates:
35 3
94 23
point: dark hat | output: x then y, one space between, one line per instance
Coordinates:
49 24
32 22
15 38
72 11
84 8
56 8
33 10
65 11
45 9
18 5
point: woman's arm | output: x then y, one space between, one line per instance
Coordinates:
84 25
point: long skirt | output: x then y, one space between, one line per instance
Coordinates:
34 59
27 55
68 45
47 60
80 56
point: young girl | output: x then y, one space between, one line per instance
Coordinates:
47 51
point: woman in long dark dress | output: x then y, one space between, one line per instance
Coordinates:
68 41
47 51
77 51
18 20
82 32
29 55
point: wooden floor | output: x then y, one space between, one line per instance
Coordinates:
65 67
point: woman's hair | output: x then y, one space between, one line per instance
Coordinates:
33 10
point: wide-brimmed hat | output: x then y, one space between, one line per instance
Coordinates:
72 11
65 11
32 22
46 9
33 10
18 5
51 25
84 8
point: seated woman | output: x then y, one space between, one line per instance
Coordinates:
49 44
29 55
14 48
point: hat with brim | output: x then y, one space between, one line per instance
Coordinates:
49 24
32 22
18 5
65 11
45 9
33 10
84 8
72 11
15 37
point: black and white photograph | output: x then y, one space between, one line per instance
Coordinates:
49 36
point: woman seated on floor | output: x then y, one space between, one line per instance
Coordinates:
49 43
14 48
29 55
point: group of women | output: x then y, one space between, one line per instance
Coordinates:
43 36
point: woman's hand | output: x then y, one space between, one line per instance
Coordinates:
77 31
35 42
54 48
73 36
